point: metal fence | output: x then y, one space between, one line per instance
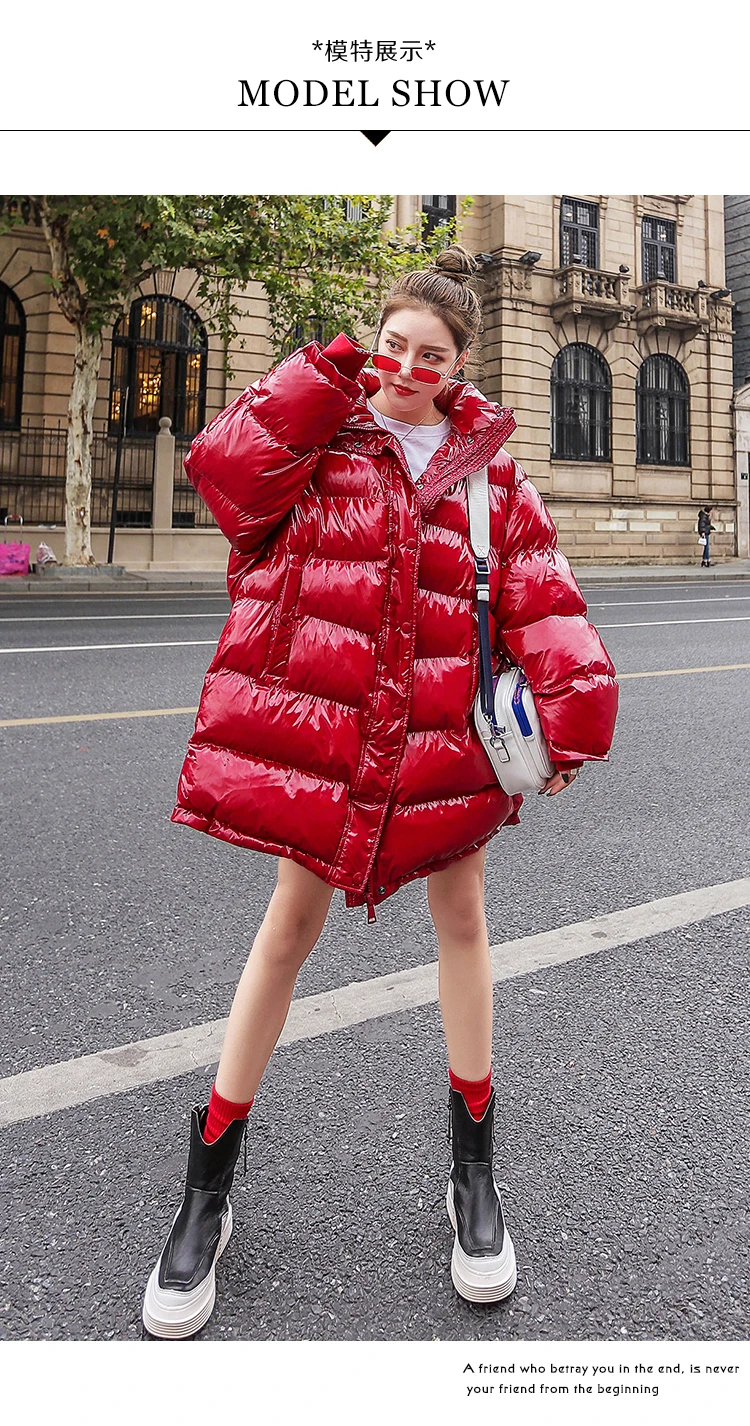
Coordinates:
32 477
188 510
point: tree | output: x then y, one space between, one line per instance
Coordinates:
321 258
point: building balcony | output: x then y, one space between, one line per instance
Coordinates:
585 290
665 304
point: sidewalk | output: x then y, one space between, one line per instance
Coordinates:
592 575
128 582
214 582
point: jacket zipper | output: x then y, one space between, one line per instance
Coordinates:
371 879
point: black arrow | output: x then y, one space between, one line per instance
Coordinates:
375 136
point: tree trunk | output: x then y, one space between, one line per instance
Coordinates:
78 457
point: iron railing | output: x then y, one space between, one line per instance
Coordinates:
188 510
32 477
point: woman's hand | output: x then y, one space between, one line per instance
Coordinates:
558 781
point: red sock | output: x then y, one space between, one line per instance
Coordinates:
222 1113
476 1092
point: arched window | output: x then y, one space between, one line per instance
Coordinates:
312 330
12 347
581 404
662 412
159 353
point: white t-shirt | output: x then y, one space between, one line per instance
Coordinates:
419 445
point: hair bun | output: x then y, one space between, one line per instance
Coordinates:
456 262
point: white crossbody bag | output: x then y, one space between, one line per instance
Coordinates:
504 711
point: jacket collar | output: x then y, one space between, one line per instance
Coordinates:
479 429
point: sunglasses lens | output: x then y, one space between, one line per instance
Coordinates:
426 375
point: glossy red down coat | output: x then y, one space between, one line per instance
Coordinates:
335 722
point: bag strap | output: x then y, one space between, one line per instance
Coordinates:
478 488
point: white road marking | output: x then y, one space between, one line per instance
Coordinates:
685 584
108 618
195 643
653 623
634 603
52 1088
221 613
65 596
78 648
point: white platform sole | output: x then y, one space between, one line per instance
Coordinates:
481 1279
173 1315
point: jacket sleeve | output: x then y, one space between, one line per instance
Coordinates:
252 462
542 627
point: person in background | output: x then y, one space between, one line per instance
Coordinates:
706 528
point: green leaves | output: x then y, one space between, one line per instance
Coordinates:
319 256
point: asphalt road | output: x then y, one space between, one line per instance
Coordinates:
622 1077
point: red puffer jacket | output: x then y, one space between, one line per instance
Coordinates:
335 724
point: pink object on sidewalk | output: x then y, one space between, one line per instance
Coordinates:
14 558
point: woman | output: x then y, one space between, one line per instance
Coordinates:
335 724
705 530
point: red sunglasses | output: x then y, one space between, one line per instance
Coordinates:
425 374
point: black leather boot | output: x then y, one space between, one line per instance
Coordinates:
181 1290
483 1266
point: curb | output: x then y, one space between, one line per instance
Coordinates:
621 575
110 584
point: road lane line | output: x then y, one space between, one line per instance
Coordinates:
672 672
661 623
635 603
195 643
56 1087
163 712
690 582
221 613
93 717
77 648
108 618
156 596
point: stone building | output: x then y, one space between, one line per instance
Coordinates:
608 329
737 244
737 241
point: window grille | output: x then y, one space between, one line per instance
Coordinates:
160 352
581 402
353 212
579 233
659 242
12 348
662 412
313 330
440 208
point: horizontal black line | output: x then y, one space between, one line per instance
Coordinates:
308 130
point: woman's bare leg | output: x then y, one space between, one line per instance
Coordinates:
456 900
291 926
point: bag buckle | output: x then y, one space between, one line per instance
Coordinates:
482 577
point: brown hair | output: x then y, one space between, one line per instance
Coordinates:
444 288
